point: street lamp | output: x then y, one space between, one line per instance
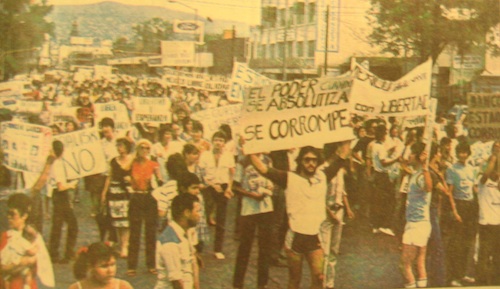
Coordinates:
185 5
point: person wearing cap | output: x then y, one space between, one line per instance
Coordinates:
143 207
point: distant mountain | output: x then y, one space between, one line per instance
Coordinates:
110 20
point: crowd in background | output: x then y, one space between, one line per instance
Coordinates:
442 203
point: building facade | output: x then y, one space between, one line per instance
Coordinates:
290 42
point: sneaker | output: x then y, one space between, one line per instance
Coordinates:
387 231
456 283
468 279
219 256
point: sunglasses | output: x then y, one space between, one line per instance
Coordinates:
310 160
145 148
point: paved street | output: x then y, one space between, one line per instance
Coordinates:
367 260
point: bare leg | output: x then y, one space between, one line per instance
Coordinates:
421 270
294 269
408 256
123 236
315 259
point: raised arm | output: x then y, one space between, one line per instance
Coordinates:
44 175
278 177
492 161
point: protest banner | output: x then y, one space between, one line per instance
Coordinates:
152 109
25 146
242 78
102 71
62 114
483 118
30 106
213 118
83 153
413 122
201 81
297 113
117 112
408 96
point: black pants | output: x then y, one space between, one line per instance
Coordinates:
488 271
383 201
280 222
462 238
62 213
143 207
263 223
220 202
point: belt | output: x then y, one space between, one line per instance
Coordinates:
140 192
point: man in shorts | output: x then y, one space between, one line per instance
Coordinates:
305 191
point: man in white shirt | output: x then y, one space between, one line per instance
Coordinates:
218 169
62 209
383 196
175 253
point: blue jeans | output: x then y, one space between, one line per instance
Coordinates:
436 261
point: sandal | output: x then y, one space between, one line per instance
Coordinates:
131 273
153 271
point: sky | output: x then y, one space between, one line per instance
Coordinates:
247 11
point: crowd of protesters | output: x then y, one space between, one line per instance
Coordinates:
434 199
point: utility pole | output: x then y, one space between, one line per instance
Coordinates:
326 37
284 40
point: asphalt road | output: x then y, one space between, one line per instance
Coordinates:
366 261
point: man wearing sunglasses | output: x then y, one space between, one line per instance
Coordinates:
305 191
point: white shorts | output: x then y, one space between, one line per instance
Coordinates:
417 233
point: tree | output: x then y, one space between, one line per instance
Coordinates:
423 28
22 30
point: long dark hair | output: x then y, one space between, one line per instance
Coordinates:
303 151
90 256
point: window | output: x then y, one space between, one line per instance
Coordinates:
300 49
300 12
312 12
269 16
260 51
289 49
282 14
281 49
272 51
311 47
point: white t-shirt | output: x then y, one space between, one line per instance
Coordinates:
218 174
489 203
379 153
305 202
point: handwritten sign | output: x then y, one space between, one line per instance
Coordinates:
30 106
25 146
408 96
483 118
83 153
117 112
243 77
152 109
213 118
292 114
202 81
